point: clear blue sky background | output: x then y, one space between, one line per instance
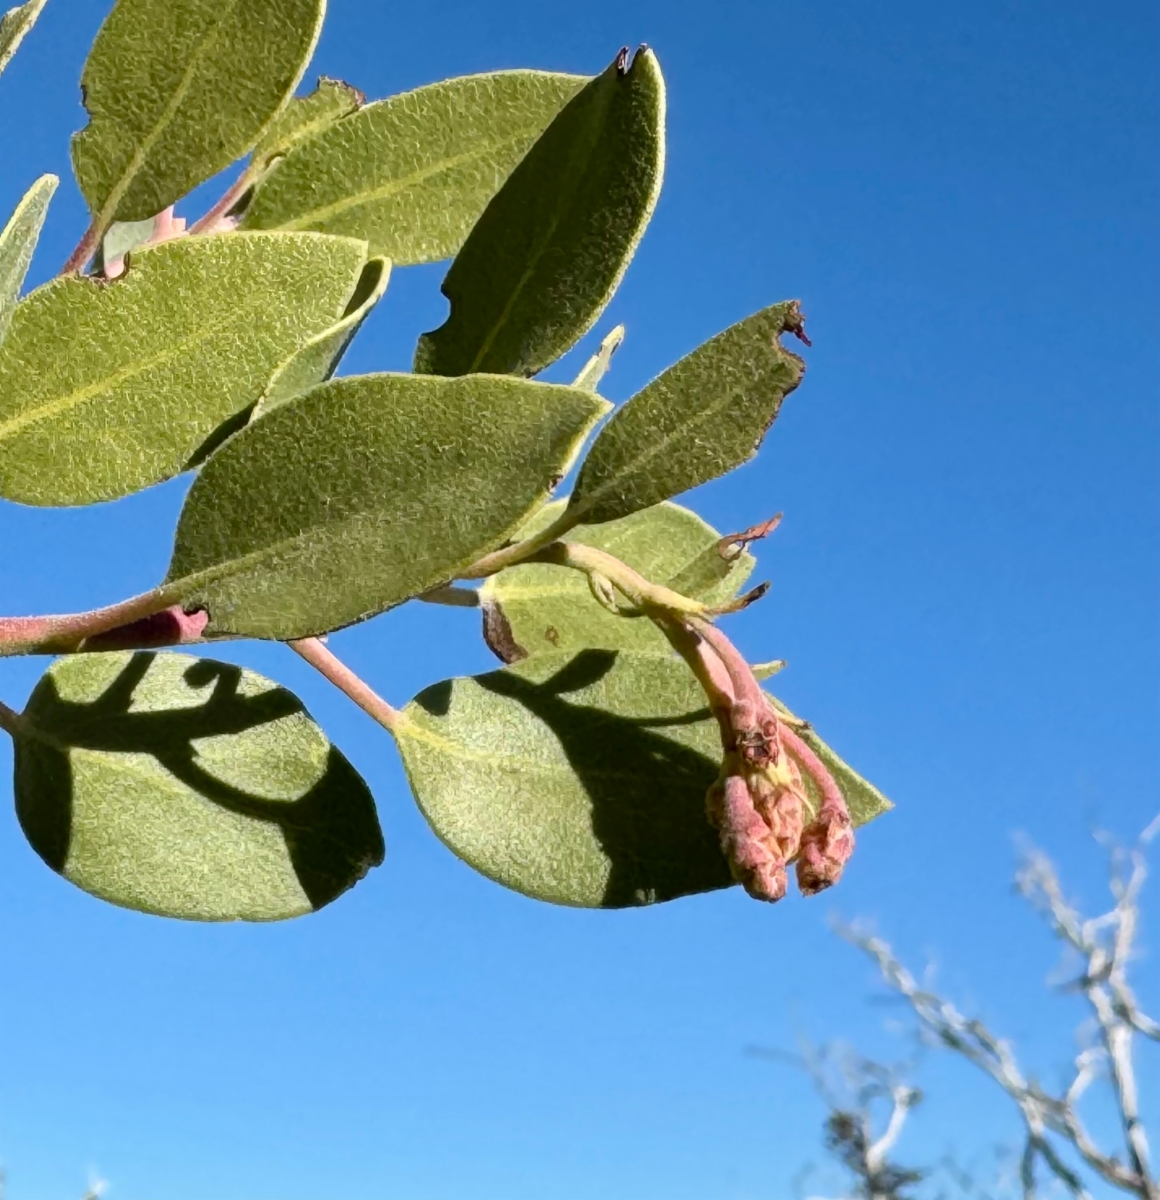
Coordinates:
964 196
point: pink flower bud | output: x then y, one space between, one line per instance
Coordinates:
780 800
746 841
827 843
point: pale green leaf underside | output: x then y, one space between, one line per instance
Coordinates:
316 361
123 237
701 418
551 248
594 370
364 492
17 243
412 173
536 608
176 90
14 25
306 116
185 340
189 788
577 778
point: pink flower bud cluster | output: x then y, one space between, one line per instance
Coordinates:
759 803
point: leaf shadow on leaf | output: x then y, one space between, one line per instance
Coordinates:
647 791
332 832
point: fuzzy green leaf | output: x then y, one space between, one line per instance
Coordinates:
574 778
704 416
364 492
14 24
316 361
412 173
537 608
178 89
185 340
189 788
306 116
552 247
580 778
17 243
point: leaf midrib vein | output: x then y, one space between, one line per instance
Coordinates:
656 447
142 152
317 215
80 395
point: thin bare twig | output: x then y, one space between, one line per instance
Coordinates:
343 678
1105 944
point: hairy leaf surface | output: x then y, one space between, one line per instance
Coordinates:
365 491
17 243
14 25
535 608
579 778
106 388
316 361
306 116
178 89
574 778
701 418
411 174
189 788
551 248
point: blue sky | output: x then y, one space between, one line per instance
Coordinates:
964 197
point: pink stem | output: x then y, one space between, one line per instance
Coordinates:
85 249
831 795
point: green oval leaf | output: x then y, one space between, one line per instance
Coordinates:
412 173
574 778
552 247
701 418
317 360
306 116
106 388
14 24
178 89
579 778
536 608
17 243
189 788
364 492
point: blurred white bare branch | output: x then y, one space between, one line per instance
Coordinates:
1052 1120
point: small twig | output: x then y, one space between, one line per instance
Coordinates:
67 633
10 720
85 249
1105 942
517 552
453 597
343 678
216 221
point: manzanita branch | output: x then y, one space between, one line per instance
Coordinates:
10 720
343 678
85 249
517 552
141 622
1106 943
217 220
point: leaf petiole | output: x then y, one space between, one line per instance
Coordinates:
337 672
